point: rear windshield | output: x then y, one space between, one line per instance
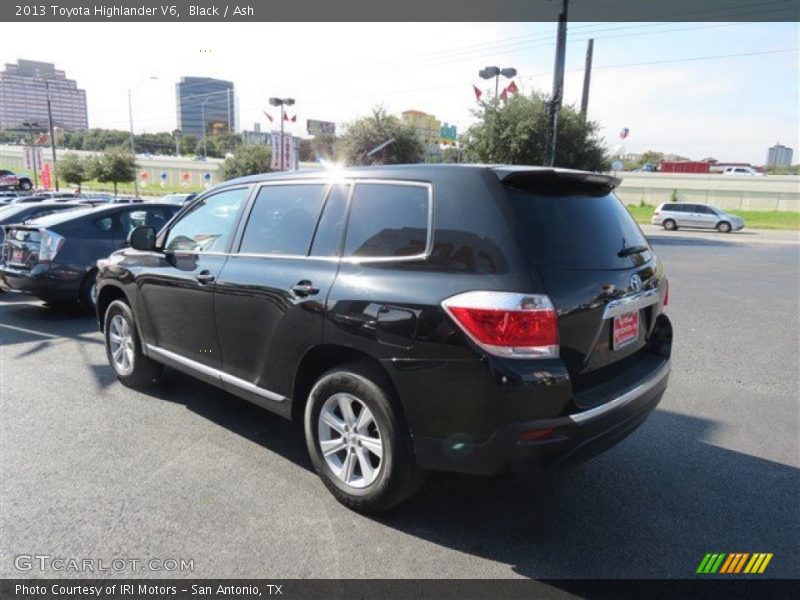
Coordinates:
577 231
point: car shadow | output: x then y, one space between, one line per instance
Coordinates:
650 507
44 325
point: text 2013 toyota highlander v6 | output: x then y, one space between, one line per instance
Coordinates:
459 318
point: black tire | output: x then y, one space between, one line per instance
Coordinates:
88 294
143 370
670 225
399 476
724 227
25 185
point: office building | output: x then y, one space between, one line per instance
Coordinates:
779 156
205 103
24 87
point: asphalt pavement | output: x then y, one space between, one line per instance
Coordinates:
91 469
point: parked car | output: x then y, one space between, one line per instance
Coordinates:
746 171
21 213
64 196
10 180
6 197
447 317
672 215
177 199
29 199
54 257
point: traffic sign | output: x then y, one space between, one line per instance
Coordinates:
315 127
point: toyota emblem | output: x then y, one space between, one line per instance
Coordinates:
636 283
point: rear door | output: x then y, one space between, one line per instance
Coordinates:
270 297
594 262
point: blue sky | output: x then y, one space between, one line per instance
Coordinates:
730 108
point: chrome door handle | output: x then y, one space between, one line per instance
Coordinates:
305 288
204 278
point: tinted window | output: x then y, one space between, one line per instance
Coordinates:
155 217
209 225
704 210
283 219
104 224
576 231
675 207
387 220
331 224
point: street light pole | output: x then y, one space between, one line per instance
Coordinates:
203 113
30 125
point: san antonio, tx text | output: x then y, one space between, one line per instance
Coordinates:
145 589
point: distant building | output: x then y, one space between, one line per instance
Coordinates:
23 97
200 98
779 156
429 129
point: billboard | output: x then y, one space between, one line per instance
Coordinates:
315 127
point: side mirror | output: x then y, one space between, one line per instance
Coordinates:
142 238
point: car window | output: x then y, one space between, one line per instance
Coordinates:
154 217
387 220
209 225
283 219
104 224
674 207
331 224
573 230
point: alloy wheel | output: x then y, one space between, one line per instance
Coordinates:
120 343
350 440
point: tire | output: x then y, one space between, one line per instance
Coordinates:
25 185
670 225
724 227
132 367
395 475
88 294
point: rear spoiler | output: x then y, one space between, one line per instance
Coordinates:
524 177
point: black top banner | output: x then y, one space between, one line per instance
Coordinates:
400 11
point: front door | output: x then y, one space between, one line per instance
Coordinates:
176 288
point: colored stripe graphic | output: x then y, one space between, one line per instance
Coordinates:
729 563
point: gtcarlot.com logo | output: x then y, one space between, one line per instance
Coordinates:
731 563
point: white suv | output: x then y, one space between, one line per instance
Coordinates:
672 215
749 171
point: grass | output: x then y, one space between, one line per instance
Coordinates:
753 219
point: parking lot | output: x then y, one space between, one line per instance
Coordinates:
93 469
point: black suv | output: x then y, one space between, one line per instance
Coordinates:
448 317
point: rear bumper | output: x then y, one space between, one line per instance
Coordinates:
575 438
42 281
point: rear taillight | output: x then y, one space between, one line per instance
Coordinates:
507 323
666 292
658 212
49 245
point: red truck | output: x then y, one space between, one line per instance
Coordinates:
684 166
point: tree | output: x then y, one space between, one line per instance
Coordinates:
366 134
246 160
514 131
113 166
72 168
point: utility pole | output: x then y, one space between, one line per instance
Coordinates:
558 86
587 78
52 134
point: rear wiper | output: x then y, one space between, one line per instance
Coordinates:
632 250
